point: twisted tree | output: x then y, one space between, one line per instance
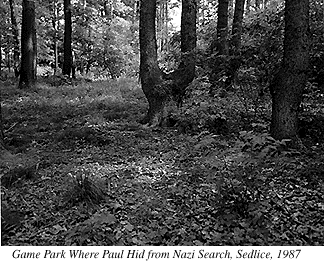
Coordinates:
158 86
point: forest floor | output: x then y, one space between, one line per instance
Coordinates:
83 171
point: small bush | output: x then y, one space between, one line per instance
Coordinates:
17 168
83 186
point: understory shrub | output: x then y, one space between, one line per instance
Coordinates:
85 186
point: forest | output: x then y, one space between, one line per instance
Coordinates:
162 122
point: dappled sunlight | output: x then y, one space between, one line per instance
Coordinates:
85 147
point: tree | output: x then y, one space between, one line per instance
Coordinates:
109 6
150 73
55 34
288 84
15 34
28 45
162 25
237 25
0 56
68 57
221 43
1 129
158 87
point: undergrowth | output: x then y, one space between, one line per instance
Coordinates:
84 171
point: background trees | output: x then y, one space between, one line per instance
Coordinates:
77 146
28 45
68 59
235 49
237 24
15 34
221 45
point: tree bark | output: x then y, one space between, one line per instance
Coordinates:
221 44
159 87
150 73
28 45
288 84
237 25
1 128
230 11
68 59
186 70
109 6
16 52
0 56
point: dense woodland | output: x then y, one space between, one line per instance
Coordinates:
120 127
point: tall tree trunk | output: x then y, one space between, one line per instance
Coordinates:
1 128
157 86
15 34
237 25
7 54
186 72
288 85
0 57
34 70
159 22
68 59
28 44
109 6
166 26
221 44
150 73
135 11
230 11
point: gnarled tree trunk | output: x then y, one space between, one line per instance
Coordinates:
151 75
288 85
157 86
186 70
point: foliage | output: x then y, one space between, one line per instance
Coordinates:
317 47
112 181
84 171
84 185
102 44
262 42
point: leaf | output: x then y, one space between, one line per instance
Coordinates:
129 227
102 218
57 229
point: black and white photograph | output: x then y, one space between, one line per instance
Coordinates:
193 124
